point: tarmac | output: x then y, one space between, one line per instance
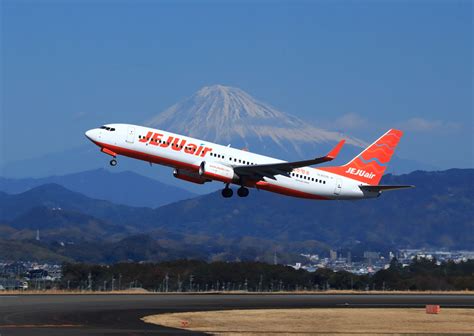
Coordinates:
119 314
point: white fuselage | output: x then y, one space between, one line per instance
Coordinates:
186 154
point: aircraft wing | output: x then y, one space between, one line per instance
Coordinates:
377 188
283 168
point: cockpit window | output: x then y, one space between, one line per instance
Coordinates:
107 128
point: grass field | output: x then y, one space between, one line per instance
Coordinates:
340 321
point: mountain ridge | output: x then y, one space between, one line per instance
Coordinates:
122 187
438 212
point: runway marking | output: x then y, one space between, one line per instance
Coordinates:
40 325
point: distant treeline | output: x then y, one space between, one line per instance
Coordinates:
192 275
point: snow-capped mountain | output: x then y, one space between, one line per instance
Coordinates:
228 115
219 114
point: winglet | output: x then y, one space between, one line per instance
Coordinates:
335 151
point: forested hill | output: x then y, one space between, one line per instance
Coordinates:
438 212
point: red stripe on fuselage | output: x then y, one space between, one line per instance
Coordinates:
183 165
287 191
148 157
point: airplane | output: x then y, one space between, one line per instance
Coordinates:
200 161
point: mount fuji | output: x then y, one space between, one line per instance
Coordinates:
220 114
228 115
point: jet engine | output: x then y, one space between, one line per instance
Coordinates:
217 171
189 176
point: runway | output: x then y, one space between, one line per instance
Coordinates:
120 314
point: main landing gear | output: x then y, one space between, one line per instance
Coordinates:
241 192
113 162
227 192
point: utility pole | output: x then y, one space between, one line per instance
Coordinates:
113 283
166 282
120 281
190 282
89 278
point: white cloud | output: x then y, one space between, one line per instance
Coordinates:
79 115
351 121
419 124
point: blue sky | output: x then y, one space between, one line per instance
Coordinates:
356 66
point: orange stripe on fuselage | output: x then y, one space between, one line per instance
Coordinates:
287 191
148 157
183 165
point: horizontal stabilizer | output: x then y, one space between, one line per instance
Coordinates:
378 188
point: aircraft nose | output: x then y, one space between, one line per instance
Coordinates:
90 134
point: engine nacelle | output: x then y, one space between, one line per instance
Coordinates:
189 176
217 171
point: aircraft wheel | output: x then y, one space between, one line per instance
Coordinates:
242 192
227 192
113 162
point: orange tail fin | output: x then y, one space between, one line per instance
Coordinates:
369 166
